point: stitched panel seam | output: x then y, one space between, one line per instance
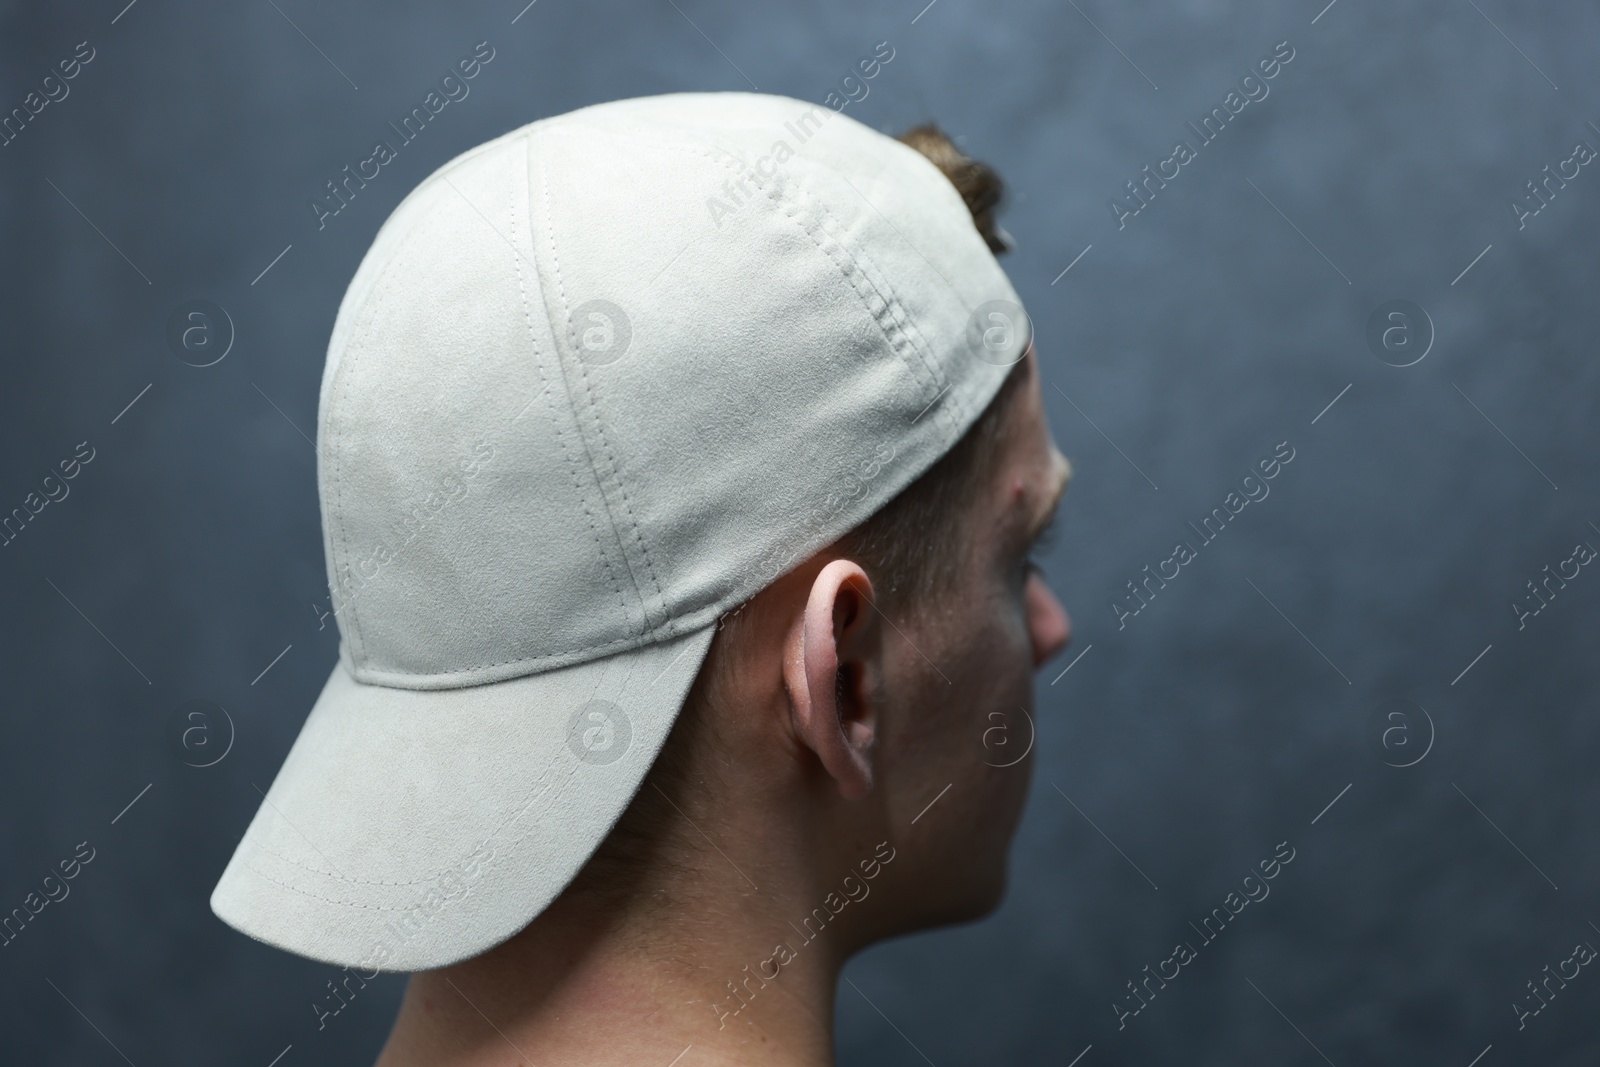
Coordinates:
866 288
599 430
797 193
912 329
930 380
555 418
572 400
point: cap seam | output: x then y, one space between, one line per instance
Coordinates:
259 873
921 368
929 378
678 626
556 420
905 322
599 429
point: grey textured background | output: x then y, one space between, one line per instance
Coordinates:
1197 338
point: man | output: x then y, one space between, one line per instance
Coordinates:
680 462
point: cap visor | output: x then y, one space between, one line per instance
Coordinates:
410 829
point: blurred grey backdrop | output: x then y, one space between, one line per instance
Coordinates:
1359 617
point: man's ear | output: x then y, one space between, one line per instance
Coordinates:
831 668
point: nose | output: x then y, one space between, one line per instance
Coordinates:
1049 628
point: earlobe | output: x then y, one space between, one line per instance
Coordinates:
829 668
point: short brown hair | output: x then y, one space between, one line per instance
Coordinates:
977 182
909 548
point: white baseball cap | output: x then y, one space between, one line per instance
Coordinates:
596 383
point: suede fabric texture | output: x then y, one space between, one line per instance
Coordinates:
596 383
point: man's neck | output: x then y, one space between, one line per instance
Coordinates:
726 973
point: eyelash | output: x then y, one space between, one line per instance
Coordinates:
1046 538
